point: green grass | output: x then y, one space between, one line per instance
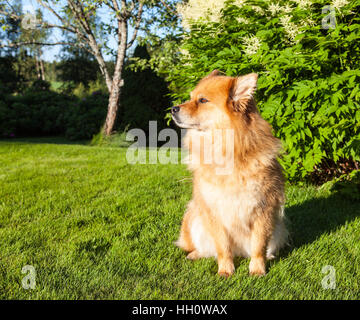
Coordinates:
55 85
96 227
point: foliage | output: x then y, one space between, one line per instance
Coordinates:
144 96
85 117
347 185
78 112
40 85
117 139
39 111
27 57
9 78
309 76
77 66
33 113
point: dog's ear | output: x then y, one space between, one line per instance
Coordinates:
213 74
242 91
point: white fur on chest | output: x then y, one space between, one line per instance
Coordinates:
232 205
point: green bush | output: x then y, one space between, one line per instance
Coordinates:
33 113
41 85
10 80
309 76
44 112
144 96
85 117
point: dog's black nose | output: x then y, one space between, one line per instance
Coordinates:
175 109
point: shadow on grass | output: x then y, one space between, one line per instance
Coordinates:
312 218
46 140
307 221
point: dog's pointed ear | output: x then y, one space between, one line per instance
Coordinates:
242 91
213 74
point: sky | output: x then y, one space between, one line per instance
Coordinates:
50 52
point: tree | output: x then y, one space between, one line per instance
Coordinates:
149 103
27 57
76 17
10 27
35 50
77 66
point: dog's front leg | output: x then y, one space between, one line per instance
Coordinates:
222 241
225 261
260 237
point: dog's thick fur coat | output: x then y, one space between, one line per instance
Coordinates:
241 213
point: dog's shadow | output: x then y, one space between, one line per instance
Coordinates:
312 218
307 221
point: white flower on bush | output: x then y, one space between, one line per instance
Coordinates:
303 4
242 20
196 10
258 9
287 8
274 8
291 29
239 3
205 10
307 23
185 52
251 45
186 57
338 4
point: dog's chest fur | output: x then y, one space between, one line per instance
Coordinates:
232 203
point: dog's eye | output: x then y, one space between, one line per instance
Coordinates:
203 100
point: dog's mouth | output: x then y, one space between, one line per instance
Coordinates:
184 125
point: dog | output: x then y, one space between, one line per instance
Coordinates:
239 213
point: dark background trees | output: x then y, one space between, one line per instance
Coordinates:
89 26
79 84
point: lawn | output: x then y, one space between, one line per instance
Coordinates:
95 227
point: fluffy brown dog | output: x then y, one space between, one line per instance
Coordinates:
238 212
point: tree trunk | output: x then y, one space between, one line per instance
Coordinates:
42 69
101 62
114 97
37 64
113 107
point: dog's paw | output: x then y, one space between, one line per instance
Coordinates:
257 267
226 269
270 256
194 255
225 274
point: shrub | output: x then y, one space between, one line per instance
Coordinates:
80 91
144 96
309 76
40 85
85 117
10 80
33 113
43 112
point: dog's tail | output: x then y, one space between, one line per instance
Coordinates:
188 247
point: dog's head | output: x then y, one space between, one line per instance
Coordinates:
216 101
